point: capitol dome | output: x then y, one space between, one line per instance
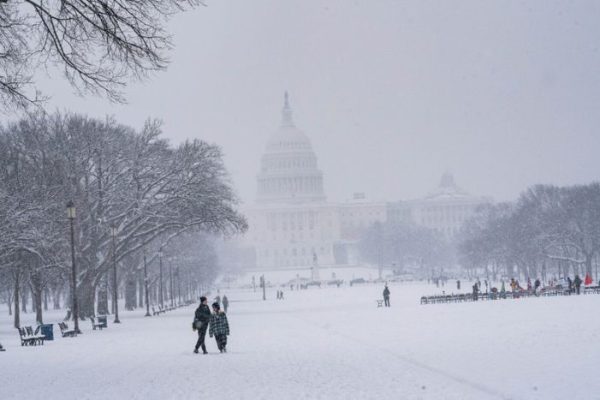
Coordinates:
289 171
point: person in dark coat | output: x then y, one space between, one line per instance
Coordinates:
201 320
219 327
536 286
458 284
225 303
386 296
570 284
577 282
2 348
475 292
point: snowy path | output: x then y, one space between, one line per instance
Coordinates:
324 344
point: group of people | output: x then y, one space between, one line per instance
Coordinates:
573 285
225 302
216 323
280 295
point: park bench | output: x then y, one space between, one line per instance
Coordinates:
95 324
379 303
37 335
26 340
591 290
154 312
65 331
29 337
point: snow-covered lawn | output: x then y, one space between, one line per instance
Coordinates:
325 343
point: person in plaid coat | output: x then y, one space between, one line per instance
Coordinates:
219 327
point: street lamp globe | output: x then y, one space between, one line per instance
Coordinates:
71 210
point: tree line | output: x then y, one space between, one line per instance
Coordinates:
549 231
134 194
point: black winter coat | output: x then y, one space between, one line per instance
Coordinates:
202 314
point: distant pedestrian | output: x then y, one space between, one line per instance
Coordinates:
536 286
225 303
386 296
475 292
458 284
2 348
570 284
201 320
486 285
577 282
588 280
219 327
218 300
281 294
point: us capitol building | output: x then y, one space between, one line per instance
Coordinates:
292 224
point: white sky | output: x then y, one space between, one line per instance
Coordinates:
504 94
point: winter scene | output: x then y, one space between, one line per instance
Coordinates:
299 199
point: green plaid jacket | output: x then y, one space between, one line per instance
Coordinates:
218 324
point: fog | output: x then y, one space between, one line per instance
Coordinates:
392 94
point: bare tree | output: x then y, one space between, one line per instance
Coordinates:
99 44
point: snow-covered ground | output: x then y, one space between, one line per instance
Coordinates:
330 343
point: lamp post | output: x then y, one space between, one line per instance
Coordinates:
146 285
71 213
113 230
160 277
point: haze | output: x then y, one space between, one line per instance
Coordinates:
392 94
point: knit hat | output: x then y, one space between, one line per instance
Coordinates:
216 305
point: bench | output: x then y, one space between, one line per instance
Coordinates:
29 337
37 335
26 340
379 303
95 324
65 331
154 312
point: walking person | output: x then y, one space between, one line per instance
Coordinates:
458 284
475 292
201 320
536 286
386 296
219 327
577 282
225 303
570 284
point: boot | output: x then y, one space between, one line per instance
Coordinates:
204 349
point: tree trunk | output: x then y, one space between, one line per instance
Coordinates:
46 299
36 296
86 294
24 299
56 298
103 300
140 285
130 292
37 300
17 310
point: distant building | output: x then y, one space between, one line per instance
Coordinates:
293 225
444 210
